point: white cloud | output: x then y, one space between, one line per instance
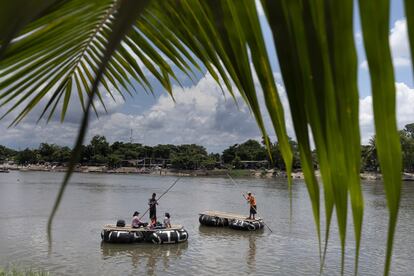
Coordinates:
405 103
200 114
401 62
400 49
399 43
358 38
366 119
364 65
259 8
405 112
30 134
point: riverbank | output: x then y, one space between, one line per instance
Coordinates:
150 171
260 173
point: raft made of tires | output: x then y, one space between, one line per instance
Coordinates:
213 221
165 236
248 225
127 234
121 236
233 221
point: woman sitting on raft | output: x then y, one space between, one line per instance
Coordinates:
136 222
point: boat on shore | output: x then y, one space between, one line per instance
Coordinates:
4 170
407 177
233 221
159 235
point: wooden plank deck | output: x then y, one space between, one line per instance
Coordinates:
129 228
227 215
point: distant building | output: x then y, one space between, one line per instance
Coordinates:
255 164
146 163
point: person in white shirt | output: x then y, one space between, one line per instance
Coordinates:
167 222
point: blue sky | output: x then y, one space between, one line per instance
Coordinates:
202 115
402 73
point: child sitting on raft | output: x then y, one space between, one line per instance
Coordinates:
152 224
167 222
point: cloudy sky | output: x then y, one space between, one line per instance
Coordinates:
202 114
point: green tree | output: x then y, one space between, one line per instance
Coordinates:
163 151
407 145
6 153
237 163
251 150
229 154
409 129
278 158
114 161
209 162
47 152
188 157
61 155
86 154
100 149
369 156
27 156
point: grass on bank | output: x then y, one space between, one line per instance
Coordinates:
17 271
239 173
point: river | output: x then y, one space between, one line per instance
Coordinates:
92 200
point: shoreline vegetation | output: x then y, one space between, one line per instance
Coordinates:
248 159
255 173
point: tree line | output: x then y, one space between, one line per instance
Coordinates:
248 155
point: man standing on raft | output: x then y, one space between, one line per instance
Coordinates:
253 208
153 208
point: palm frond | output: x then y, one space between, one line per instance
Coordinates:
67 45
124 13
375 33
13 17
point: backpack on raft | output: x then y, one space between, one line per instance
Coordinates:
120 223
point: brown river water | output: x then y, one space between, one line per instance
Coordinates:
92 200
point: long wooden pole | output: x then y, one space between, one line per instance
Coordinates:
169 188
246 199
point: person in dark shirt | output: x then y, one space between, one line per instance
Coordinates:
153 207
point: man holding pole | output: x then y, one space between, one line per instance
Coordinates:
153 208
253 208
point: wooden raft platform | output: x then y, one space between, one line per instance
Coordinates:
228 215
129 228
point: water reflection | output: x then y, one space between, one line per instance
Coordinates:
221 233
217 233
251 254
145 254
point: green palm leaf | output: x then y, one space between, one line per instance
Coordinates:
383 91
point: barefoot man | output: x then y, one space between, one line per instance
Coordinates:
252 201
